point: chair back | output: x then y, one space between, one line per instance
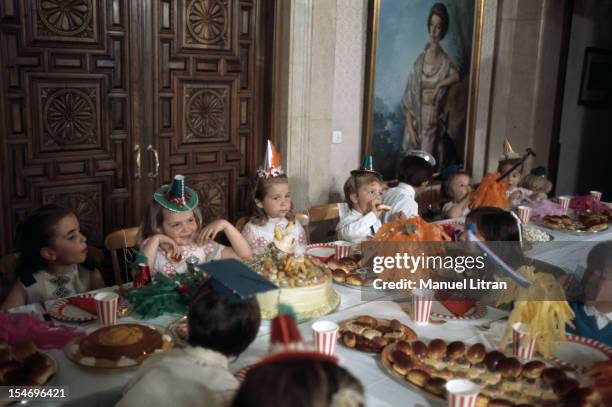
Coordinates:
319 213
120 239
429 199
241 222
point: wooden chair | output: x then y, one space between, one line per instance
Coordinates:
241 222
120 239
429 199
320 213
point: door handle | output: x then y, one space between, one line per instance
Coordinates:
137 161
155 172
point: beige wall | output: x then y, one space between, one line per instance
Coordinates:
326 65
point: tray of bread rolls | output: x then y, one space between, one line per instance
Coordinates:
583 225
369 334
349 272
504 380
22 364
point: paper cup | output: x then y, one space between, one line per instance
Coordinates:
522 346
325 336
524 214
343 249
462 393
564 201
596 194
107 308
421 305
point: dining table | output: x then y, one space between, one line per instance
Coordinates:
101 387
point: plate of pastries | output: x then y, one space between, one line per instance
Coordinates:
504 380
116 346
369 334
588 223
349 271
22 364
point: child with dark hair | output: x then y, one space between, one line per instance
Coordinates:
362 192
594 313
413 174
456 190
51 250
223 320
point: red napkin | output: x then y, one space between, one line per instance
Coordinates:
85 303
458 307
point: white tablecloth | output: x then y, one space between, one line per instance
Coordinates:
90 386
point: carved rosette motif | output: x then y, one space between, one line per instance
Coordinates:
213 197
65 18
206 114
85 206
69 116
206 22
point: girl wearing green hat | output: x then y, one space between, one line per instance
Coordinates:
173 232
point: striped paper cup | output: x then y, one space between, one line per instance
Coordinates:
596 194
524 214
522 346
462 393
325 336
343 249
421 305
107 308
564 201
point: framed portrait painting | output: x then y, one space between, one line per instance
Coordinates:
421 77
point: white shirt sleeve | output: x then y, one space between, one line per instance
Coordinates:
356 229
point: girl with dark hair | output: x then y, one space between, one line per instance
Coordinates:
51 249
271 202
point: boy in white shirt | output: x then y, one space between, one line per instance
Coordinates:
363 193
414 173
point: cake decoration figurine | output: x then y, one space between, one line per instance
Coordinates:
284 242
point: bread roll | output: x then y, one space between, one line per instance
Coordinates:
339 276
509 367
383 323
383 207
405 347
401 362
455 350
419 349
436 349
533 369
417 377
563 386
354 280
380 342
476 353
492 359
349 339
482 401
371 333
366 320
435 385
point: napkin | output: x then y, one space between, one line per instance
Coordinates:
85 303
458 307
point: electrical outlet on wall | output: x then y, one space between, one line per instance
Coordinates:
336 137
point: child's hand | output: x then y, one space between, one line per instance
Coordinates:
516 195
400 216
170 247
211 230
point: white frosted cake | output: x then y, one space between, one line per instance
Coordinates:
304 281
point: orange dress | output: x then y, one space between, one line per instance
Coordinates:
491 193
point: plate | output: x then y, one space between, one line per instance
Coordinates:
580 353
72 352
440 311
178 331
577 232
63 311
322 251
343 324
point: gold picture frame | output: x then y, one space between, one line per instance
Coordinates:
413 9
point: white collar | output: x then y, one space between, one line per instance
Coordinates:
207 356
601 319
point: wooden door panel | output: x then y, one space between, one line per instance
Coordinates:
66 111
204 98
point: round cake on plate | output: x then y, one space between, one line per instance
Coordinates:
125 340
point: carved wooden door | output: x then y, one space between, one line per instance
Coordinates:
66 117
103 100
208 97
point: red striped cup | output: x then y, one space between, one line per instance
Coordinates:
107 308
343 249
564 201
462 393
522 346
596 194
325 336
524 214
421 305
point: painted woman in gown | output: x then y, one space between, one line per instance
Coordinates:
431 75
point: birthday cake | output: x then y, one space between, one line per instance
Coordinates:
126 340
304 281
